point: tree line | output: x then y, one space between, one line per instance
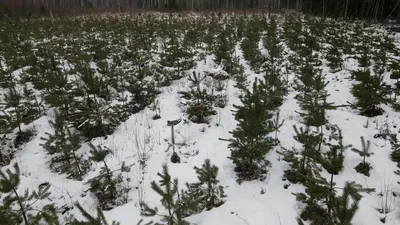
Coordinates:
363 9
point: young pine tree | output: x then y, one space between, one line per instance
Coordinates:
381 54
308 50
223 50
272 45
370 93
249 45
5 129
176 55
168 190
323 206
19 110
142 91
301 165
21 207
206 192
93 113
59 91
200 102
313 99
395 75
332 162
276 123
63 146
275 87
90 220
106 186
334 58
345 206
292 27
240 78
364 62
363 167
250 142
316 200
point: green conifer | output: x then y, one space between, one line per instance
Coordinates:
169 198
206 192
300 162
363 167
176 54
276 123
332 162
22 207
345 206
370 93
250 142
20 109
334 58
59 92
106 186
200 102
90 220
224 50
63 146
249 45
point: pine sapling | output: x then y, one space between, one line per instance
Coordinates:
206 192
395 75
332 162
22 207
105 186
18 110
89 219
276 124
370 93
62 146
251 142
170 199
300 162
200 102
316 199
334 58
346 205
364 167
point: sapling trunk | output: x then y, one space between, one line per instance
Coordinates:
210 202
321 129
21 206
330 196
365 155
109 178
77 164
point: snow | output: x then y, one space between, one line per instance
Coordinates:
245 204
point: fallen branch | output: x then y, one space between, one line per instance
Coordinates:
343 105
225 139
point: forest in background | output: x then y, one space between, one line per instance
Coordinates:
379 10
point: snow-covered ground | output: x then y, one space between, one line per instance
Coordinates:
250 203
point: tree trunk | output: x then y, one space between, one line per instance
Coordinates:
21 207
330 197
